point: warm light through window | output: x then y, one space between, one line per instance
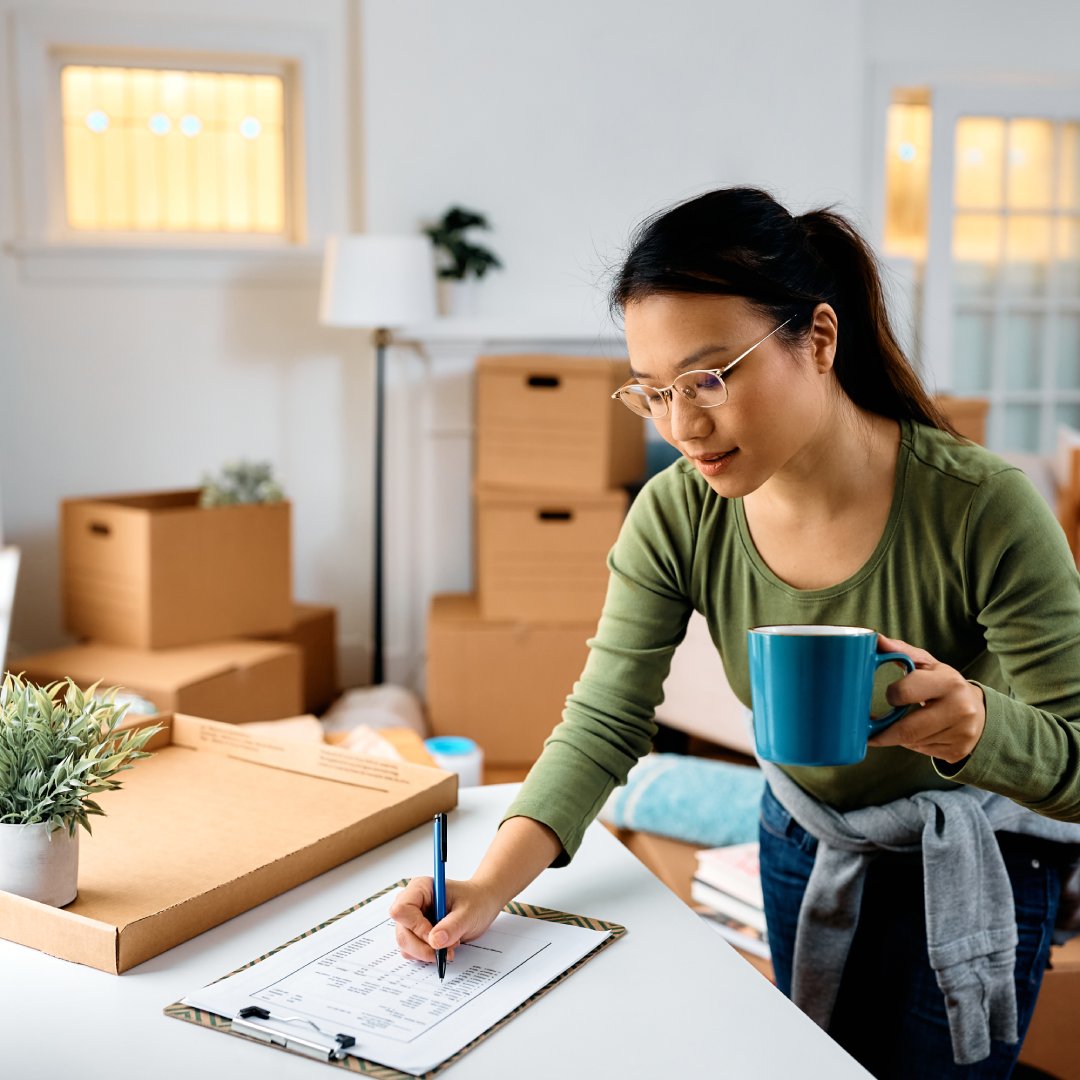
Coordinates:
150 150
980 155
907 176
1006 166
1030 173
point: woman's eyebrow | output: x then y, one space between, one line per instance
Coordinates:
689 361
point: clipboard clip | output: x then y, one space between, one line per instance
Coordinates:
245 1024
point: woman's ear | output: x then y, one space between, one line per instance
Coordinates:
823 334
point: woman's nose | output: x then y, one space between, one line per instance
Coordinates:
688 421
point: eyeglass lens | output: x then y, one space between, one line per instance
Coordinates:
704 388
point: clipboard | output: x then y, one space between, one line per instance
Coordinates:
363 1067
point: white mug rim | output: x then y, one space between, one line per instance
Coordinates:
811 630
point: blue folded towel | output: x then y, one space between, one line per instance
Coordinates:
712 803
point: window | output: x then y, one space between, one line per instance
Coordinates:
991 222
907 174
164 146
165 150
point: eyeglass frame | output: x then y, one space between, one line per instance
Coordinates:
667 392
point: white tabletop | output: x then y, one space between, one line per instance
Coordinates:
671 998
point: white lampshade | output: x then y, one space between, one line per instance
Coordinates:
377 281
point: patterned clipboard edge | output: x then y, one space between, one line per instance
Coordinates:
363 1067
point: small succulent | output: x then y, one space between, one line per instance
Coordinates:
58 747
458 256
241 482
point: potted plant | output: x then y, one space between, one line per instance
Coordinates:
241 483
461 262
59 747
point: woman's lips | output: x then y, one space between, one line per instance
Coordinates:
714 464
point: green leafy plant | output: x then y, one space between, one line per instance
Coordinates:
241 482
458 256
58 747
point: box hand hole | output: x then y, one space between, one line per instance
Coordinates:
544 382
555 515
99 528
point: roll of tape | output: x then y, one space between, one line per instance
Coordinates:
455 753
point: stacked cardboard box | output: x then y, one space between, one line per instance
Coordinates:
314 632
553 457
164 590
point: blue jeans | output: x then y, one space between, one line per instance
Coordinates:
890 1014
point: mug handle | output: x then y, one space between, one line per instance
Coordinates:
891 717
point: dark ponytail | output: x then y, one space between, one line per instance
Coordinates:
742 242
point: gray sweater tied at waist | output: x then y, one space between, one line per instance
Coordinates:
970 922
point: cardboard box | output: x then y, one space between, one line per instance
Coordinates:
407 744
1053 1039
966 414
233 681
314 633
543 556
674 863
548 422
154 571
151 877
503 684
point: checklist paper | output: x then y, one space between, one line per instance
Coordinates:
349 978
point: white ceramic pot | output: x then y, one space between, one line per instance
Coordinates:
458 299
41 865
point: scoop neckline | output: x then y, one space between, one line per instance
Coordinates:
884 542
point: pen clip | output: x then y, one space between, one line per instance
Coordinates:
442 836
245 1024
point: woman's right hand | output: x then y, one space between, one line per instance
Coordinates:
470 910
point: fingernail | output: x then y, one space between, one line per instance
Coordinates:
439 939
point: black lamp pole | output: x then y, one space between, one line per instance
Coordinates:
382 339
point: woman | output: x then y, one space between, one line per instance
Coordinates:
819 483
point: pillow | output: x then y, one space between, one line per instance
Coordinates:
700 801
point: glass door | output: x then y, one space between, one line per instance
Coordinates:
1001 313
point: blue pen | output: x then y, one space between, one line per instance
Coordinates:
440 884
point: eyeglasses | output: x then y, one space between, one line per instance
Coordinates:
705 389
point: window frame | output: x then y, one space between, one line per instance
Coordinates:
315 163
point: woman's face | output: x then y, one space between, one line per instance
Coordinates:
779 403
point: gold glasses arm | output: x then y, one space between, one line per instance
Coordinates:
721 372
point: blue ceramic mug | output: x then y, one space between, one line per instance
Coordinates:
811 688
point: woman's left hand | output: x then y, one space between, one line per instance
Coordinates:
953 714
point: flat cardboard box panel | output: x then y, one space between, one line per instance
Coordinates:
503 684
314 632
152 875
156 570
233 681
543 555
548 422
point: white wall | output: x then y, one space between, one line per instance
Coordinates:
997 37
564 122
567 122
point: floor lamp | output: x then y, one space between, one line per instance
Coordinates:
381 283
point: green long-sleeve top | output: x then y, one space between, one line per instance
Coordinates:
972 566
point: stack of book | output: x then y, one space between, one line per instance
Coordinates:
727 890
